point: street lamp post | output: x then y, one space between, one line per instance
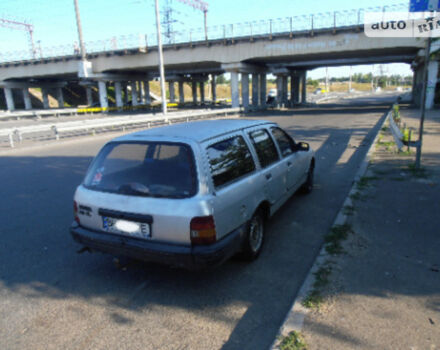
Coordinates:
80 35
161 68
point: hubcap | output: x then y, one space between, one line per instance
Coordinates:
256 233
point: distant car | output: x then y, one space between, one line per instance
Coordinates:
272 93
190 194
319 91
399 88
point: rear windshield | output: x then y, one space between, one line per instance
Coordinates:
150 169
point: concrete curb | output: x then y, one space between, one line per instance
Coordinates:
294 320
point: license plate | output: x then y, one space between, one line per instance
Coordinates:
124 227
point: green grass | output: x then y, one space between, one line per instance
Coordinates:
294 341
364 182
348 210
314 300
333 239
322 276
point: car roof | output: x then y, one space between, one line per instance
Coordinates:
198 131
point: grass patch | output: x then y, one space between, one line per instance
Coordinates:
333 239
364 182
405 153
322 276
294 341
314 300
348 210
419 173
388 145
385 128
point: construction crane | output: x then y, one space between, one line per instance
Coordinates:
199 5
29 28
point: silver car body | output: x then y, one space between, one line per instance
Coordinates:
231 205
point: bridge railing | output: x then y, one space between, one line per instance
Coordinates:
141 41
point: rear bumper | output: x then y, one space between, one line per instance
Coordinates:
187 256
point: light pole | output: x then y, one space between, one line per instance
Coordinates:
80 35
161 69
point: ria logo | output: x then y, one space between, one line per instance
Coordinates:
402 24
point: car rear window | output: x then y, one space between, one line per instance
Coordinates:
150 169
229 159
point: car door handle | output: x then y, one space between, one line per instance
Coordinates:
268 176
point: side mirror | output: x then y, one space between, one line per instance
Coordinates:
303 146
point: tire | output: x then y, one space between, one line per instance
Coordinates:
254 240
307 186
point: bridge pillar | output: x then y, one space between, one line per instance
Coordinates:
279 83
171 90
194 91
26 98
245 90
214 88
60 97
89 95
125 90
118 94
181 92
134 93
304 87
202 92
102 87
294 89
255 92
9 99
432 82
284 91
234 90
263 90
147 97
45 98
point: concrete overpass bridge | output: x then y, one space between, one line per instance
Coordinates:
288 55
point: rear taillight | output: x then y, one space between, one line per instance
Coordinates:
202 230
75 211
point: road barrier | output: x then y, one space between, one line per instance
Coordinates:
110 124
402 136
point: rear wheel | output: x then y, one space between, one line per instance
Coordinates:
254 237
307 187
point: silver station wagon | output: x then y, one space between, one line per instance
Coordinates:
190 194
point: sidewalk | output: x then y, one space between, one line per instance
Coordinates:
384 290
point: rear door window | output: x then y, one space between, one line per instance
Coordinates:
150 169
265 147
229 160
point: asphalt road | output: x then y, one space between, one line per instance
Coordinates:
53 298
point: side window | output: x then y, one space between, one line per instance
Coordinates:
229 160
266 150
284 141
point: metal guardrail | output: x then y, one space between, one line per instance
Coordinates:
400 138
102 124
38 113
142 42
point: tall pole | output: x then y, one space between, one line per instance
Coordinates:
205 15
161 69
422 117
349 83
80 34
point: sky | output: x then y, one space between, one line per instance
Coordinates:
111 23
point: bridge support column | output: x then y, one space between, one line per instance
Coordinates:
60 97
45 98
214 88
245 90
27 99
181 93
9 99
255 92
234 90
134 93
202 92
102 87
147 97
279 83
432 82
263 90
88 95
304 87
118 94
294 89
171 90
194 91
284 91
